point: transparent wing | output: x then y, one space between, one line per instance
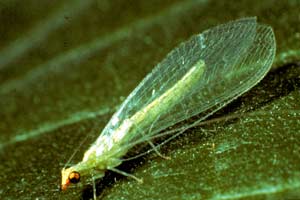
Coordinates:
237 55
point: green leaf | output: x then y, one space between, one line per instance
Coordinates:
65 66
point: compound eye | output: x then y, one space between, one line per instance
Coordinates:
74 177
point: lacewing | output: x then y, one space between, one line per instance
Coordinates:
201 75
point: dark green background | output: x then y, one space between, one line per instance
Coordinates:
65 66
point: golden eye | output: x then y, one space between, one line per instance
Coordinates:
74 177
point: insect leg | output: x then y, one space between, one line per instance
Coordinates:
147 136
94 188
126 174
